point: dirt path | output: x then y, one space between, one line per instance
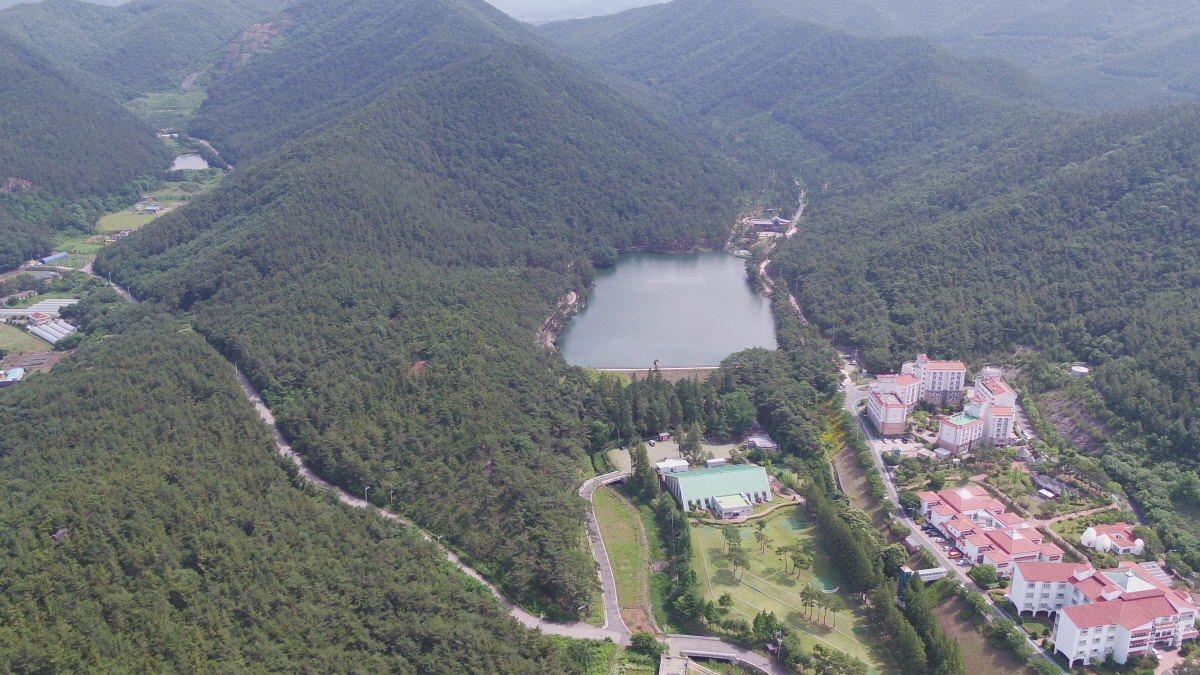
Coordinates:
557 320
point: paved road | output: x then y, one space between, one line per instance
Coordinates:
615 631
608 583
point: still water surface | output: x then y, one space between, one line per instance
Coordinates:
683 309
189 162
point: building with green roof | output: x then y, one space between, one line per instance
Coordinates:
703 488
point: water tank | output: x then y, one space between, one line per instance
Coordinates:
1080 371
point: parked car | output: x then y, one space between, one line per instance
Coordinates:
941 540
955 554
652 444
945 548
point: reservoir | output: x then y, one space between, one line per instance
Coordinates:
189 162
690 309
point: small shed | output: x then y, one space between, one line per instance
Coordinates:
664 436
714 462
671 465
762 442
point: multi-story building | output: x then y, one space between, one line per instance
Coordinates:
940 381
1123 611
890 400
980 527
887 412
988 417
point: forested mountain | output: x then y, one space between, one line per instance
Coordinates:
793 89
353 51
59 140
382 282
1095 55
948 220
150 526
138 44
542 11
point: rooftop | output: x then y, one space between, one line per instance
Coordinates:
732 501
962 420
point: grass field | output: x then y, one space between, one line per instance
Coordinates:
15 340
765 585
168 110
981 657
618 522
124 220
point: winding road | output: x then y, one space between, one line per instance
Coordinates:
762 266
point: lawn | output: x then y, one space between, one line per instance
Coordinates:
981 657
618 521
124 220
13 339
168 110
765 585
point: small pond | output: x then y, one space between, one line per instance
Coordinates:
192 161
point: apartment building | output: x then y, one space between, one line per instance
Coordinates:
940 381
1123 611
988 417
887 412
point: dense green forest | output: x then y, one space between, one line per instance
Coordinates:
139 44
1095 55
149 526
353 51
63 137
382 283
64 148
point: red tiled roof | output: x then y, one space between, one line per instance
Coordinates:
997 386
1009 518
1045 571
1123 529
928 496
906 380
944 510
1131 614
998 411
947 365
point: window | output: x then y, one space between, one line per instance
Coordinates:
1045 595
1096 641
1112 637
1029 595
1060 595
1083 632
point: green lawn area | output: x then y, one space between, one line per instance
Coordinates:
618 521
168 110
124 220
765 585
13 339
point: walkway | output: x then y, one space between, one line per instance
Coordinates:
711 647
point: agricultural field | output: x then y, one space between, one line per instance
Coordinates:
15 340
167 110
770 583
125 220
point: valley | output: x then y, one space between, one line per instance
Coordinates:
379 400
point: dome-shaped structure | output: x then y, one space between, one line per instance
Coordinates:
1138 547
1088 538
1103 543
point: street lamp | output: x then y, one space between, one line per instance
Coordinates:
365 488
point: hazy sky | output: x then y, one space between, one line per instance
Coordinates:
544 11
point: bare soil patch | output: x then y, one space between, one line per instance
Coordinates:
1072 422
981 657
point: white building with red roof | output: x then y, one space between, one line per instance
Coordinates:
890 400
980 527
987 418
939 381
1116 538
1122 612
